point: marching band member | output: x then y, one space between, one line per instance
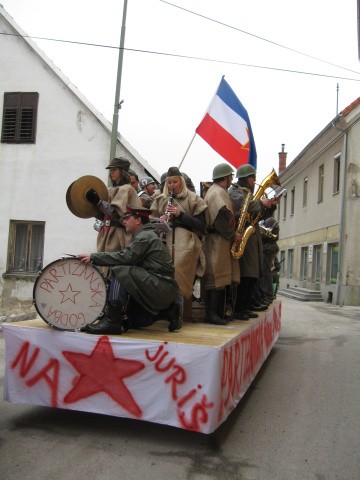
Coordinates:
112 236
184 212
148 187
142 283
251 260
222 269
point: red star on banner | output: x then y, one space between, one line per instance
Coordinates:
102 372
69 294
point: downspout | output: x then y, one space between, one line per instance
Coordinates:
342 217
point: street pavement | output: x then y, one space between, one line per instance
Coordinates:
300 419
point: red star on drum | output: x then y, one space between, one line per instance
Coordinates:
69 294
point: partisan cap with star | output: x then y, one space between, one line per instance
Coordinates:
138 211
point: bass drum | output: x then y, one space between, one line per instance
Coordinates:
69 295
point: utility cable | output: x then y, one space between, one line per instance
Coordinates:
258 37
188 57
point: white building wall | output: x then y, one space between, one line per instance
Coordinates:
71 141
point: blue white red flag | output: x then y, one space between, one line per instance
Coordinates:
226 128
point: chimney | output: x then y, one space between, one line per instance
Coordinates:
282 158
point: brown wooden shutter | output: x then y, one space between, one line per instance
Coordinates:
10 117
19 117
27 121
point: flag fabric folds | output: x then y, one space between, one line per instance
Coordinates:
226 128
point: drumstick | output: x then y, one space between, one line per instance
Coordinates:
69 255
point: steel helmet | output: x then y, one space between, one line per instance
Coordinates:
144 182
245 171
222 170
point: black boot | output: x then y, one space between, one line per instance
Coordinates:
113 322
173 315
215 305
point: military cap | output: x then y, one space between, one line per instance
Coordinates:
138 211
144 182
222 170
245 171
120 163
174 172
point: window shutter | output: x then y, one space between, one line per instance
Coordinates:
27 123
19 117
10 117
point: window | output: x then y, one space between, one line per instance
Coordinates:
282 263
316 272
336 185
278 211
285 205
305 191
26 246
292 207
332 262
290 263
19 117
304 263
321 184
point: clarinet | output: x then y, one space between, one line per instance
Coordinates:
170 201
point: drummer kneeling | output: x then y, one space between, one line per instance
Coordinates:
142 287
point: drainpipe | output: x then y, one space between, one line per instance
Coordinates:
342 220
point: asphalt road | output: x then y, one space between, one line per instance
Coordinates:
300 419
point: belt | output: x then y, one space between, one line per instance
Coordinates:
113 223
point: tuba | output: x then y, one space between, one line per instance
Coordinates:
237 249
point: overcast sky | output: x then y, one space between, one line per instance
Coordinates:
165 97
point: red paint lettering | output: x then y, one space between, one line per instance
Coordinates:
176 378
52 382
198 414
25 365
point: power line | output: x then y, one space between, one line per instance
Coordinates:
188 57
258 37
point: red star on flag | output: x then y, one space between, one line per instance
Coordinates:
69 294
102 372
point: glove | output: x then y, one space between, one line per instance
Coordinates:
92 196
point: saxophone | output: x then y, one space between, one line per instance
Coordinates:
240 227
237 249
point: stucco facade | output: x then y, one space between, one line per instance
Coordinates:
319 215
72 140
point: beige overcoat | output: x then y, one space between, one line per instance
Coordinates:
221 268
115 239
189 258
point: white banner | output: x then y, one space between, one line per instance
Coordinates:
194 387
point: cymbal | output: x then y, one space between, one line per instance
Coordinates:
76 199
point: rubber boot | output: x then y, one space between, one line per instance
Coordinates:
114 321
215 304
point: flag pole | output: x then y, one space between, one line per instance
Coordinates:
188 148
117 104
